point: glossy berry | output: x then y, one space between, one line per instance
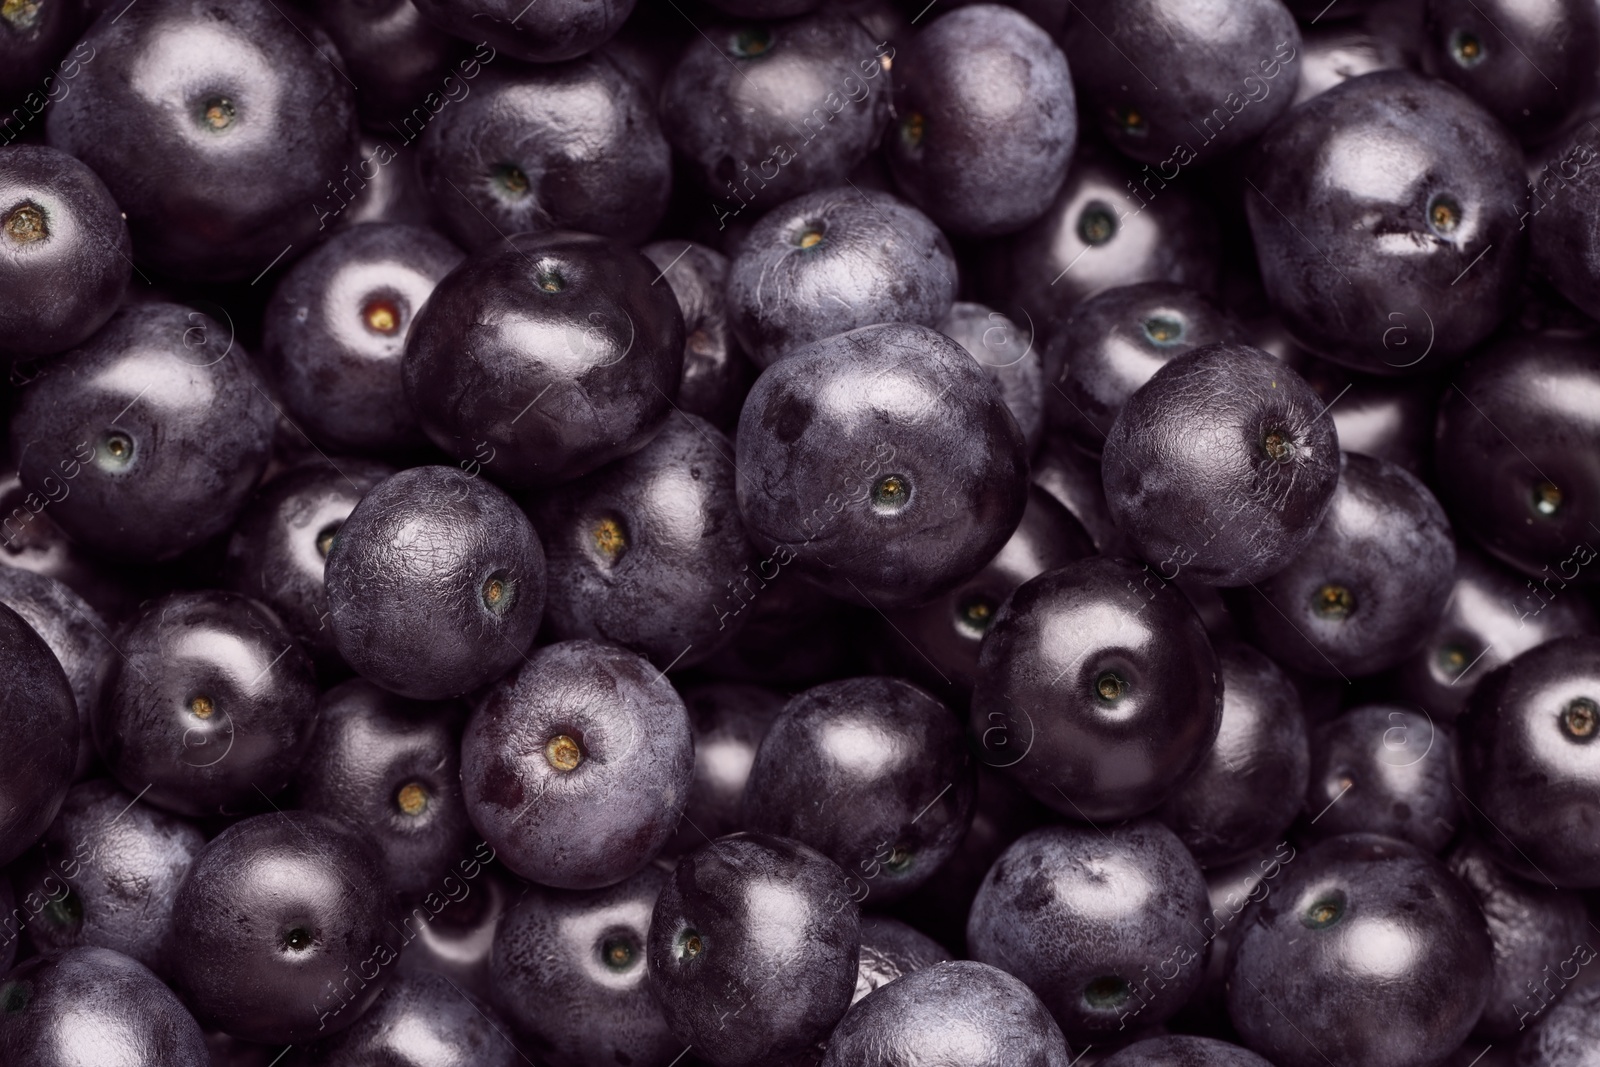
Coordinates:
209 707
1558 210
1334 51
985 1013
1008 355
86 1003
75 632
217 129
421 1020
31 541
335 333
835 260
944 636
1230 888
1247 791
801 533
1493 616
882 463
390 767
398 60
1072 477
1228 74
1110 225
39 715
716 372
1541 938
541 360
1091 667
67 257
767 112
451 932
1358 918
570 973
110 868
1221 466
1364 590
149 438
1102 924
283 920
1002 813
621 566
279 549
986 120
1385 221
1530 766
577 765
728 721
572 146
1529 65
436 583
1389 418
1511 458
890 950
1112 343
753 949
1384 769
391 195
871 772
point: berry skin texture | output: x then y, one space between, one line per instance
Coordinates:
1095 665
1530 764
66 257
1342 913
436 584
39 715
576 766
753 949
210 706
989 1015
1103 925
832 261
544 357
987 120
1221 467
276 913
94 998
145 477
1373 201
217 129
882 463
